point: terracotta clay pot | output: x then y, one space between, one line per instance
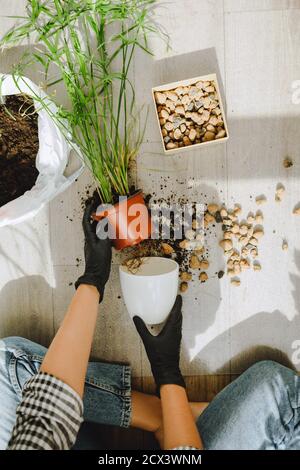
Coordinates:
129 220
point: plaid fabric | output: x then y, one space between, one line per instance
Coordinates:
49 416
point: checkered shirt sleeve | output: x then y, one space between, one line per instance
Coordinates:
48 417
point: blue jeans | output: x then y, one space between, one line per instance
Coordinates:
259 410
107 396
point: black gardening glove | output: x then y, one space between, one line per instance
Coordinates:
97 253
163 351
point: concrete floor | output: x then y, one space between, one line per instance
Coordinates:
255 51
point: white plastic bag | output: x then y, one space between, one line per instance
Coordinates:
51 159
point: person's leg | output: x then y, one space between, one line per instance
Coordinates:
107 393
259 410
19 360
108 398
146 412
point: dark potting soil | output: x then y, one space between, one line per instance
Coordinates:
115 196
19 144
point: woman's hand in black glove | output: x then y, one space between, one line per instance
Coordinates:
163 350
97 253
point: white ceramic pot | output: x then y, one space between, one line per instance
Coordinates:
150 293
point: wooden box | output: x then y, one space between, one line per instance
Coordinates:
171 87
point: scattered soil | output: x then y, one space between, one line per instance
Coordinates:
288 162
19 146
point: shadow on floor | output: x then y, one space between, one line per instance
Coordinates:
25 314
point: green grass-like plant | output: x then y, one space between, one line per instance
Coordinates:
91 45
